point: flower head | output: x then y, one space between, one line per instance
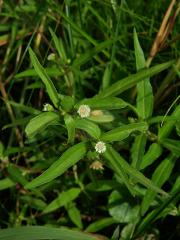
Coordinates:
100 147
84 111
47 107
97 165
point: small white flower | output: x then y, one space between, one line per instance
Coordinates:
84 111
100 147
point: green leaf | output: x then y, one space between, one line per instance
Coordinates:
51 72
70 125
70 157
138 150
52 92
102 185
91 128
83 58
74 215
6 183
145 222
118 169
40 122
43 233
121 211
144 89
159 177
101 117
16 175
130 81
100 224
106 77
115 159
59 46
33 202
172 145
62 200
67 103
166 129
154 151
120 133
24 108
107 103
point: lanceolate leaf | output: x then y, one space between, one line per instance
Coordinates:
52 92
70 125
166 129
144 89
74 214
91 128
67 160
138 149
160 176
100 224
128 82
123 132
132 172
63 199
147 221
43 233
172 145
40 122
151 155
118 169
104 103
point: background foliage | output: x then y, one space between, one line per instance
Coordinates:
64 54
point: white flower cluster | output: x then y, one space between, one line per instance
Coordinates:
100 147
84 111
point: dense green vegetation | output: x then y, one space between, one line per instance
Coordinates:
90 119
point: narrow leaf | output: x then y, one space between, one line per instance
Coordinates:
166 129
160 176
43 233
67 160
138 150
40 122
91 128
130 81
63 199
100 224
59 45
74 214
120 133
154 151
6 183
117 160
144 89
52 92
108 103
70 125
172 145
